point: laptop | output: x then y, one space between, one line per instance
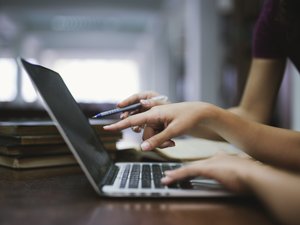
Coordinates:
110 179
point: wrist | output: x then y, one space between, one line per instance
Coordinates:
249 173
211 115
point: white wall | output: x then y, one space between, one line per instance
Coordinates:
159 51
185 31
203 54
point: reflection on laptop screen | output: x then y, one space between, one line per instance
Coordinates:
73 124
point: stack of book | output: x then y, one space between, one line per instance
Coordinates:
36 144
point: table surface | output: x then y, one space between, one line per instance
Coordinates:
64 196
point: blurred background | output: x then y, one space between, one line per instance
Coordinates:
106 50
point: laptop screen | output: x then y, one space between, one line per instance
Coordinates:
70 120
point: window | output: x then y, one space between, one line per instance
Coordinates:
27 89
89 80
8 79
99 80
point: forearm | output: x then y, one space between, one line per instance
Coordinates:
258 99
278 190
276 146
261 90
204 132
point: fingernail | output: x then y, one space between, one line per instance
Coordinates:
145 146
138 129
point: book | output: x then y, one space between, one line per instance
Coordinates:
34 150
37 144
14 140
190 149
45 127
41 161
10 174
30 140
37 162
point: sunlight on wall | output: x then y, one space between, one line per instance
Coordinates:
27 89
92 80
99 80
8 79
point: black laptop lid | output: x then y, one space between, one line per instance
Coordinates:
70 121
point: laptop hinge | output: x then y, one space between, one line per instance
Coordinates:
110 176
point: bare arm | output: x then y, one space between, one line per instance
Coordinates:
258 99
277 189
259 96
276 146
273 145
261 90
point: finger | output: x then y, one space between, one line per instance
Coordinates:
149 103
136 98
134 112
180 174
128 113
135 120
148 132
156 140
167 144
124 115
130 100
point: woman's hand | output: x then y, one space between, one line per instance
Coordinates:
278 189
136 98
147 103
229 170
164 122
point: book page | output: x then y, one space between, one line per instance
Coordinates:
190 148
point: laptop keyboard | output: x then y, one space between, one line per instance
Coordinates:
149 176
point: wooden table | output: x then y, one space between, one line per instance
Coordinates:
64 196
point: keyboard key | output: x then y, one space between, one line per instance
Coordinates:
157 175
175 166
148 172
146 176
125 176
174 185
165 167
134 176
185 184
112 176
